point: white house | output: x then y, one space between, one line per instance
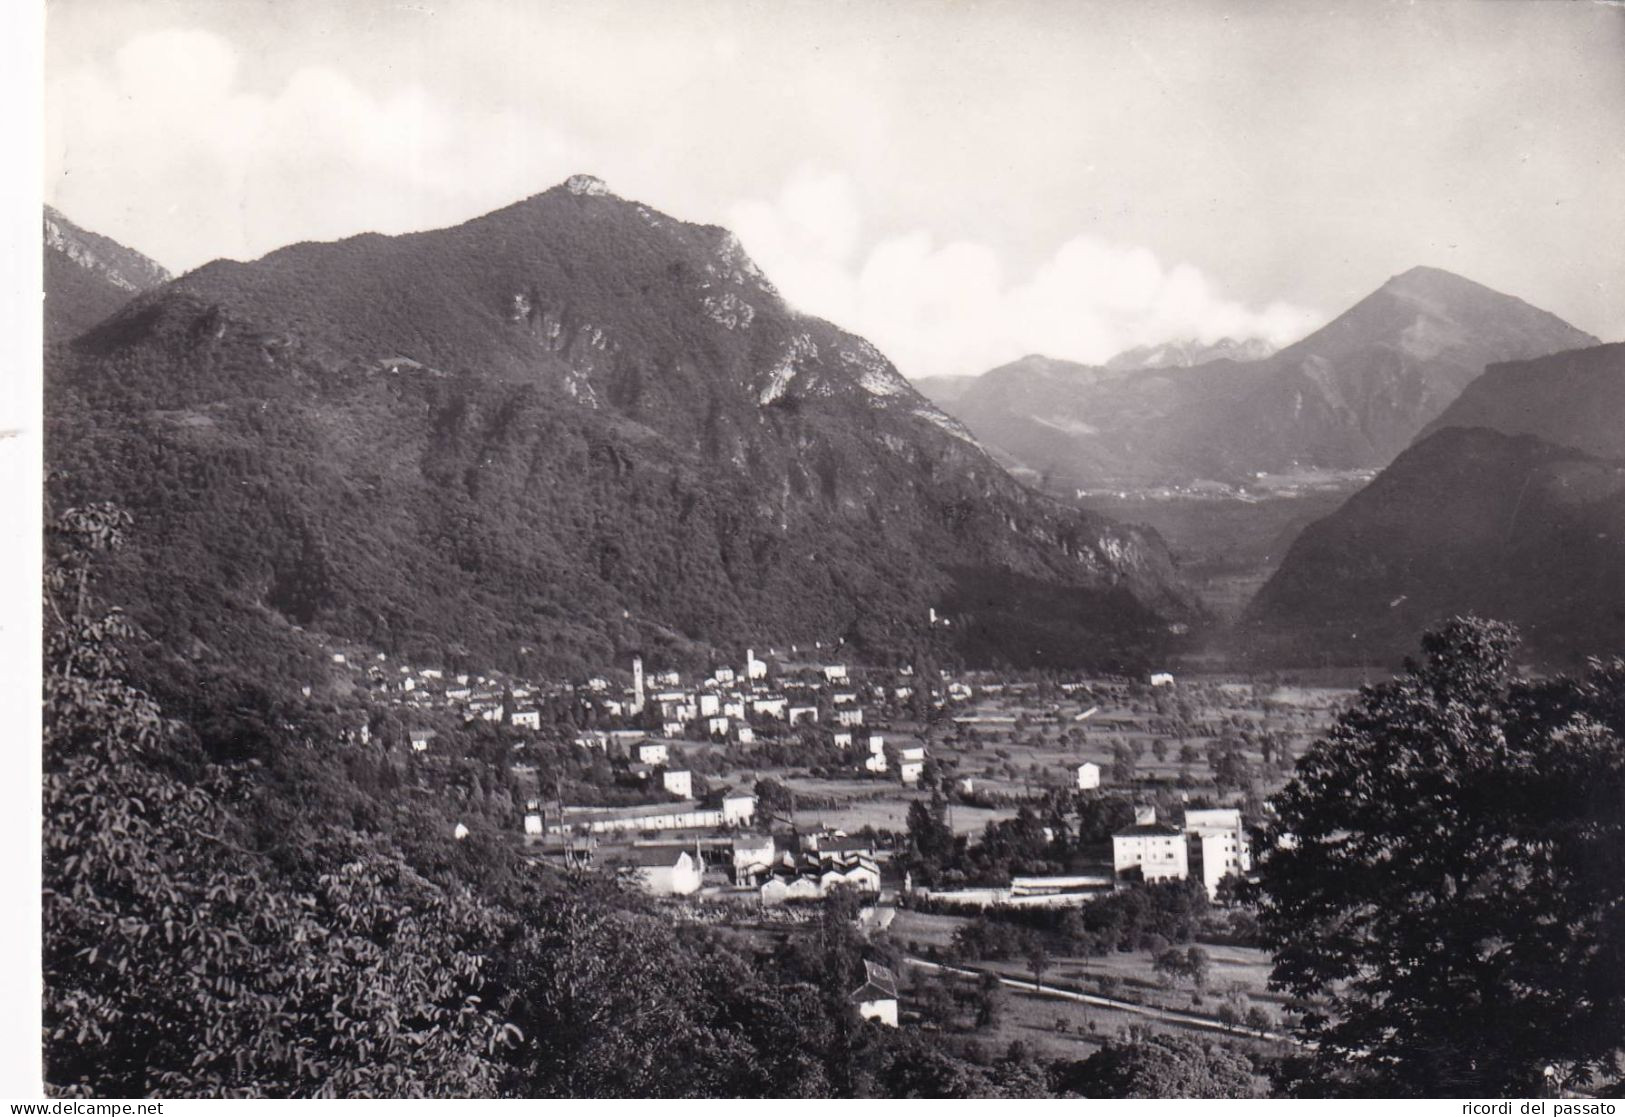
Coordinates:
533 823
1155 848
849 716
777 889
650 752
1162 678
420 739
753 853
527 719
876 762
862 874
1218 845
680 783
754 668
738 808
842 738
665 871
671 729
843 698
745 735
1088 776
910 764
876 998
769 707
717 726
798 715
835 672
710 704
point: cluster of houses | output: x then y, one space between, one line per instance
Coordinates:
741 864
476 697
728 705
723 705
1211 845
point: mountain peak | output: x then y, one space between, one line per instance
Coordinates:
1445 292
589 186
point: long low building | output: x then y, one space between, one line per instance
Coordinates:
1027 892
727 809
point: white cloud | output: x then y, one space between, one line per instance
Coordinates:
319 158
950 308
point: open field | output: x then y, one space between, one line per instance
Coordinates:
1021 744
1127 976
1016 743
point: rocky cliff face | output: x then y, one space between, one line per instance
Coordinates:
88 276
572 426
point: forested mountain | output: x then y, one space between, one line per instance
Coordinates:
1574 399
568 428
1487 519
1349 396
88 276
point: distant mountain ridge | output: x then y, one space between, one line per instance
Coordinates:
1349 396
88 276
569 428
1511 505
1189 352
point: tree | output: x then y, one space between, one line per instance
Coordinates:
1197 966
1147 1065
177 960
931 844
773 799
1122 766
1038 960
989 1001
1441 880
1229 889
1172 964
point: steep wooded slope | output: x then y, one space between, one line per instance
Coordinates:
568 428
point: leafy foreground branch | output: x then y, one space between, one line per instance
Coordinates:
1445 879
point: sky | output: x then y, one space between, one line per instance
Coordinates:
962 182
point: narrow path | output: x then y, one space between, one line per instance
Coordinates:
1169 1015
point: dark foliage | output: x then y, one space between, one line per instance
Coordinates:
1442 882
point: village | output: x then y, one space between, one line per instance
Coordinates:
745 795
